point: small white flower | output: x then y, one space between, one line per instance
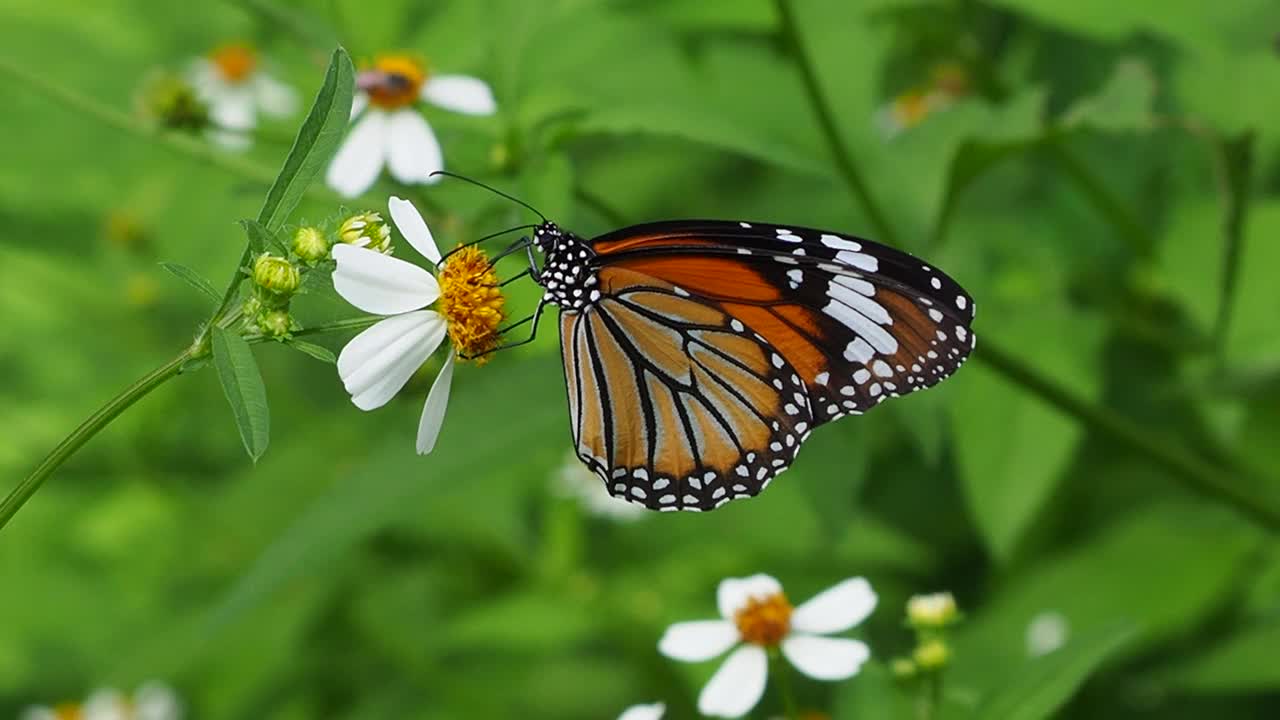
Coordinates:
756 616
1046 632
235 87
378 362
389 130
573 480
152 701
644 712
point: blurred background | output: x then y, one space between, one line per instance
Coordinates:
1102 177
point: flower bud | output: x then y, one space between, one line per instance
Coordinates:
932 612
902 668
168 99
932 654
275 323
366 230
276 274
310 245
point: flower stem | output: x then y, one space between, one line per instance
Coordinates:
784 685
1203 477
87 429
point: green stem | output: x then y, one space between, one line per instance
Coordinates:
90 427
789 705
1197 474
840 152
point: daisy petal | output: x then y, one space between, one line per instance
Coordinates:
359 102
155 701
698 640
644 712
433 410
233 109
229 139
732 594
835 609
737 685
380 360
37 712
104 704
824 658
381 284
414 229
460 93
360 158
274 97
413 152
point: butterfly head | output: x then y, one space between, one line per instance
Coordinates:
568 273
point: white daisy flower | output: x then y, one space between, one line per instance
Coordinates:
152 701
644 712
378 362
234 86
389 130
573 480
755 618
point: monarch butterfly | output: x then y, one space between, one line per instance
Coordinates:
699 355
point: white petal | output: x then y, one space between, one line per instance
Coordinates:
233 109
835 609
414 229
732 594
105 704
156 701
360 158
824 658
359 102
380 360
203 76
737 685
37 712
698 640
413 152
433 410
460 93
229 139
274 97
644 712
380 283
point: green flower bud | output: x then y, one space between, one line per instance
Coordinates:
366 230
310 244
276 274
932 612
251 307
275 323
932 654
167 98
902 668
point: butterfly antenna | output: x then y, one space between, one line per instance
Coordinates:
493 190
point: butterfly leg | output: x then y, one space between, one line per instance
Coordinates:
533 334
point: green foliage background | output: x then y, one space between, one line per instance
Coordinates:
1109 192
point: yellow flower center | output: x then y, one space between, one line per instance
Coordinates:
764 621
471 302
396 81
910 108
67 711
234 61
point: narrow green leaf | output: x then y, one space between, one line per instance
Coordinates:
1123 104
1042 686
242 384
321 353
261 240
316 141
192 278
1236 155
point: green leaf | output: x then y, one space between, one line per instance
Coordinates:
1236 155
261 240
242 384
319 352
1253 335
1043 685
315 144
1243 662
1123 104
971 161
192 278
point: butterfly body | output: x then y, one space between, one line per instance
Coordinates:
699 354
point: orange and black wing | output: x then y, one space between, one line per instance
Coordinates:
858 321
673 401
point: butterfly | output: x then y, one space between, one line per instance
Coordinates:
699 355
